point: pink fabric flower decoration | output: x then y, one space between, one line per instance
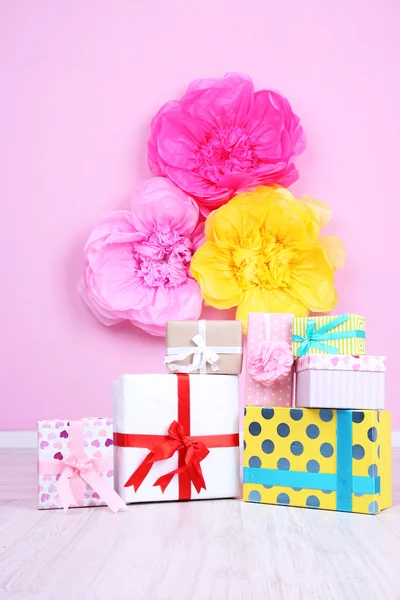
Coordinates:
271 362
136 263
224 138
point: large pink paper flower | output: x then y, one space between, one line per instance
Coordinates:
223 138
136 263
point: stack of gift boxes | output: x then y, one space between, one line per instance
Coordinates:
173 436
332 449
314 434
177 435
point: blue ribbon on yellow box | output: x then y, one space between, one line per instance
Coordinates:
315 337
343 482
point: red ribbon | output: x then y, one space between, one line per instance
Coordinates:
191 449
194 453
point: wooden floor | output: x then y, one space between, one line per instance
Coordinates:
212 550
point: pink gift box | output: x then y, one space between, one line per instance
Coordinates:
340 381
268 327
89 438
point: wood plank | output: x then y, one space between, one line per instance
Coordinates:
211 550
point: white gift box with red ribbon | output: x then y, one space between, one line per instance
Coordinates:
176 437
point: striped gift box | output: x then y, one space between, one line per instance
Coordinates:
356 382
343 334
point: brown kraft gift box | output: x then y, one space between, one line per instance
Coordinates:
223 352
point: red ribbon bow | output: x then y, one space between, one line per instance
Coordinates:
191 449
195 452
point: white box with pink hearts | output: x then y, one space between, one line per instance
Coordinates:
60 441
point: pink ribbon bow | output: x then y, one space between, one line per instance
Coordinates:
87 470
76 469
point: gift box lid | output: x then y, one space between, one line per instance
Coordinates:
350 320
340 362
218 332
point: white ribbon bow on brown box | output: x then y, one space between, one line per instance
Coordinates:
202 354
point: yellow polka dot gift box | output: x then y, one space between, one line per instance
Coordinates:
327 458
343 334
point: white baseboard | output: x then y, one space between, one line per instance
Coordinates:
18 439
395 439
28 439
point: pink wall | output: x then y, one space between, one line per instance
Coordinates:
80 81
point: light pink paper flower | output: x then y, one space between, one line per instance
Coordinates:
136 263
223 138
271 362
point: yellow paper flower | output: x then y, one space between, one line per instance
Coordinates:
263 254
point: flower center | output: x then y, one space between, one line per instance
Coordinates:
263 262
227 150
163 259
